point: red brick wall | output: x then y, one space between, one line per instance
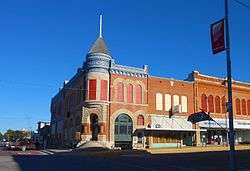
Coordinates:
162 85
217 88
132 107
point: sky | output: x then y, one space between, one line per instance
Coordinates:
43 42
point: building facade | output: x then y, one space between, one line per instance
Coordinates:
123 106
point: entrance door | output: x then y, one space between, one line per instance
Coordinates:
123 131
94 126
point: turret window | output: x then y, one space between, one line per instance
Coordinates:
92 89
104 89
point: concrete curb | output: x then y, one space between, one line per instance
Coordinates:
194 149
47 152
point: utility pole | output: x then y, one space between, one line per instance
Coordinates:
232 160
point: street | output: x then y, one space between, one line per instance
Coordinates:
40 161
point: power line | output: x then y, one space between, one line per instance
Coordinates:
243 4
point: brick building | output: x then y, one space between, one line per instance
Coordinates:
125 106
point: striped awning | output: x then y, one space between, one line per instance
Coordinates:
175 123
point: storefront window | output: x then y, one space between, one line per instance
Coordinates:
140 137
123 129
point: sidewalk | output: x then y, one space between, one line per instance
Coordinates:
194 149
110 153
56 151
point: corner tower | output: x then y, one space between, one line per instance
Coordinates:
97 67
97 76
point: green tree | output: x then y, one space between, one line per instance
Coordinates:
1 136
9 135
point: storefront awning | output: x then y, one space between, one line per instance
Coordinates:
172 129
164 123
238 124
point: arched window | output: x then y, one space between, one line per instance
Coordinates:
158 101
244 106
217 104
140 120
204 102
138 92
210 103
223 105
130 93
248 107
120 92
237 104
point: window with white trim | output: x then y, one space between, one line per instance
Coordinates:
183 103
176 100
158 101
168 104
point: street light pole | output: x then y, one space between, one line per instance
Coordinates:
232 160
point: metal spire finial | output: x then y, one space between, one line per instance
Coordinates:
100 32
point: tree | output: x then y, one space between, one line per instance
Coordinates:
9 135
1 136
12 135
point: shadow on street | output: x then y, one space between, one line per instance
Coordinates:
208 161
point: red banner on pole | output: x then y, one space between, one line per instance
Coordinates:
217 36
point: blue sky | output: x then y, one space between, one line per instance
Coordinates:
43 43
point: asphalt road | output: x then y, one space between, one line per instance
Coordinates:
38 161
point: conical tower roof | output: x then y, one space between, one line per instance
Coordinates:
99 47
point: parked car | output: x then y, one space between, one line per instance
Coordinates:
10 145
25 144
